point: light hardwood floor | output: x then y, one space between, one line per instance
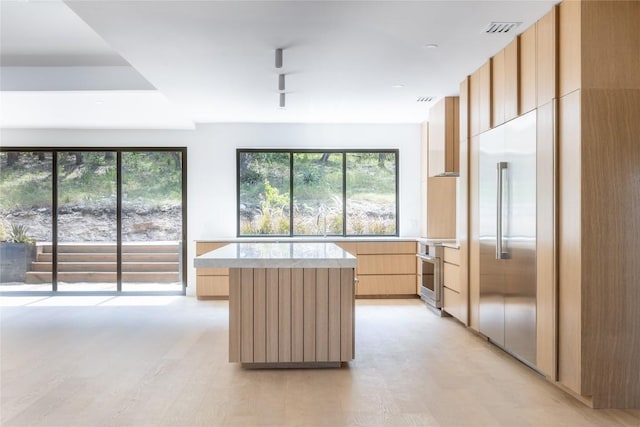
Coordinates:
165 363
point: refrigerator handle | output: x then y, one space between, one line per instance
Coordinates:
500 168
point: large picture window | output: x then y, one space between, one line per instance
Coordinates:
317 192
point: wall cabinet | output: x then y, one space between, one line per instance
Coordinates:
441 208
443 137
504 83
528 67
546 58
480 100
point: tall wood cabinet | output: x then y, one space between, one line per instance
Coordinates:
578 68
599 202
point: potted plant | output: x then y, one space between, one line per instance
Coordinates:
17 252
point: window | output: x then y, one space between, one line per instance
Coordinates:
87 219
317 192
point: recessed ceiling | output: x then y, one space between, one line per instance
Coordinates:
213 61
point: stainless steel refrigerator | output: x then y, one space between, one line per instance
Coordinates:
507 235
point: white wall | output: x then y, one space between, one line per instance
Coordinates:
211 162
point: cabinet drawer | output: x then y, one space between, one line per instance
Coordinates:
454 304
452 277
212 272
386 285
387 248
212 286
452 255
387 264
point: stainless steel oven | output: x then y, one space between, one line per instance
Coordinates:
431 284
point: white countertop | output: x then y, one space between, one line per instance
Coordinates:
277 255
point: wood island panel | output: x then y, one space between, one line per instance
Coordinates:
280 316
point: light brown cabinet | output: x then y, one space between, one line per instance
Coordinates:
546 58
480 100
211 283
441 208
528 67
455 295
504 82
443 137
386 268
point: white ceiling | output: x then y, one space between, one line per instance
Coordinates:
168 64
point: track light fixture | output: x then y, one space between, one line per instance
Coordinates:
281 82
279 58
282 100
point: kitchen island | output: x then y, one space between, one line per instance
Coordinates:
290 304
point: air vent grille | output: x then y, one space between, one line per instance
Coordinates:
500 27
425 99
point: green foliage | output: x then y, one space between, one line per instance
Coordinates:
19 233
153 178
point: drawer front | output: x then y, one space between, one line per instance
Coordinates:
386 285
204 247
212 286
387 264
387 248
452 277
452 255
351 247
454 304
212 271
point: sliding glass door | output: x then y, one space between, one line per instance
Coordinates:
26 220
87 221
152 220
93 220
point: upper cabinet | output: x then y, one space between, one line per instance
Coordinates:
528 89
443 137
546 57
480 100
504 85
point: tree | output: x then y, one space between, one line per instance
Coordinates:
12 158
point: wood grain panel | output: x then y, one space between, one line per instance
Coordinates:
309 316
462 210
511 79
259 315
528 90
370 248
297 318
474 103
546 301
246 317
452 276
610 44
424 150
569 242
322 314
235 313
285 330
485 96
453 303
546 58
272 315
441 205
454 153
347 314
474 237
380 285
212 271
569 46
387 264
452 255
610 245
204 247
498 89
463 114
437 138
334 314
351 247
212 286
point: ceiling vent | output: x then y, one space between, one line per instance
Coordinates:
425 99
500 27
